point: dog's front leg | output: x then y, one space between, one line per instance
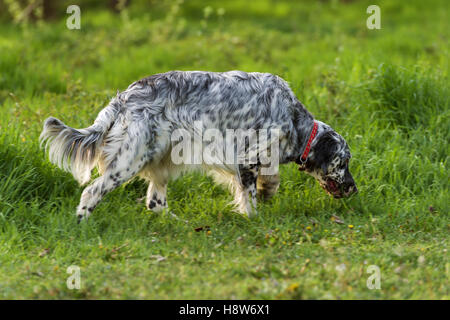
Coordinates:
156 197
267 185
245 191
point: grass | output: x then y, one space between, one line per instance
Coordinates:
386 91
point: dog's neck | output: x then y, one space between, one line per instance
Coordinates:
303 123
322 128
304 135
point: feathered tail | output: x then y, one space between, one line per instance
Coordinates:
77 150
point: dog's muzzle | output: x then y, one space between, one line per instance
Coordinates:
345 189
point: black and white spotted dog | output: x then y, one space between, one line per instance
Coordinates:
132 137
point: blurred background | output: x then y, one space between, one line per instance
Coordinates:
386 91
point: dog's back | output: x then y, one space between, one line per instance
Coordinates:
133 134
233 99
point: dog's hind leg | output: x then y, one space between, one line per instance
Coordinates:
245 190
119 171
158 174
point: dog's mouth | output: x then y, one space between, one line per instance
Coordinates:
339 190
333 188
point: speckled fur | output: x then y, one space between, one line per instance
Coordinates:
132 135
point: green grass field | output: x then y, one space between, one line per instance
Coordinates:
386 91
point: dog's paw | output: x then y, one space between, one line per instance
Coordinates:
83 213
157 205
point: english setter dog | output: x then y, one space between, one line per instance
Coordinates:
133 136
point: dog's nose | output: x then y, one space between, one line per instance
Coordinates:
350 188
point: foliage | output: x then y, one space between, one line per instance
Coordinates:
385 91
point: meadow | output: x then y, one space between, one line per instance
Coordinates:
386 91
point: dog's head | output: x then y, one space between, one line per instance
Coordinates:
328 162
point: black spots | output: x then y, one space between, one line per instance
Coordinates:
155 200
84 208
152 204
113 178
91 209
252 166
248 177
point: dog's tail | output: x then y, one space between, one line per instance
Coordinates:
77 150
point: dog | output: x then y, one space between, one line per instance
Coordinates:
133 136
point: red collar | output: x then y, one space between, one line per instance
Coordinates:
308 145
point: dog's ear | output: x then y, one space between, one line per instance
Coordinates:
324 168
324 149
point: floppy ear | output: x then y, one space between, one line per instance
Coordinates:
324 149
